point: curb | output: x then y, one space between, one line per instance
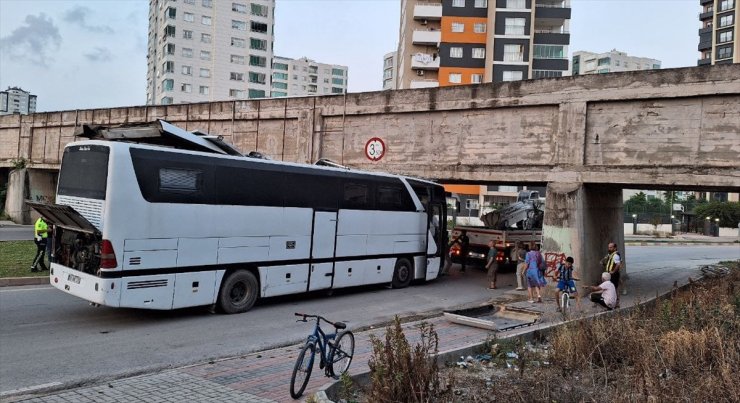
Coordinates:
673 243
19 281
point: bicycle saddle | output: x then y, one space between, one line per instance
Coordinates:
340 325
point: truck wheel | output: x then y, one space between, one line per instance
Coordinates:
402 273
238 292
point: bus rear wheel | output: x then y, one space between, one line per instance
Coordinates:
238 292
402 273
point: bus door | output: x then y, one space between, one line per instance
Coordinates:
437 245
322 250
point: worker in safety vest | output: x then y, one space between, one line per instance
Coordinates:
41 234
613 263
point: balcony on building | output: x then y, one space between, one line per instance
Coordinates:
426 37
551 35
549 64
424 61
704 62
431 11
424 84
707 30
706 16
705 45
705 2
558 9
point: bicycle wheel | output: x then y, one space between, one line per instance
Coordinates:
564 303
302 370
341 355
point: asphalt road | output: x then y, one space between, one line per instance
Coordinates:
48 337
16 233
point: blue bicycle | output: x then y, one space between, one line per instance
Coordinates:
336 351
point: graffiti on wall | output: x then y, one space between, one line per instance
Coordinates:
552 260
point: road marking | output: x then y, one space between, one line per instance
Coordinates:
28 289
29 389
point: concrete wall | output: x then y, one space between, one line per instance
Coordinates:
677 127
28 184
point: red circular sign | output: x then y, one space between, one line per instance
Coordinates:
375 149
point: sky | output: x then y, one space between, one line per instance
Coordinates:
92 53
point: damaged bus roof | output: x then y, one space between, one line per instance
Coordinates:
159 133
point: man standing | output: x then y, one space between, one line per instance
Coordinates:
492 265
40 232
521 267
612 264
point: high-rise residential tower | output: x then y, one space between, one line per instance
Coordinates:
718 41
208 50
299 77
15 100
610 62
451 42
390 70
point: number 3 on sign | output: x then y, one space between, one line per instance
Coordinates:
375 149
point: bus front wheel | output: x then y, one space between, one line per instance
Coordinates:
238 292
402 273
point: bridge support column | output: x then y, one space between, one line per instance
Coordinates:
34 184
580 220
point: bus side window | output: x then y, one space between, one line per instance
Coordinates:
356 196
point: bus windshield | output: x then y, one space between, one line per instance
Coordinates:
84 172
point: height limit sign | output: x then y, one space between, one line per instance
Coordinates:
375 149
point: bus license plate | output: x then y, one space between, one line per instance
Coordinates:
73 278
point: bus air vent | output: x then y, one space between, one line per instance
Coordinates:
134 261
133 285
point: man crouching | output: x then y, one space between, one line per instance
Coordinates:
604 294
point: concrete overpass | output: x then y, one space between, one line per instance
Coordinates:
585 136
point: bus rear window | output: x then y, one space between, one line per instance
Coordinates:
84 172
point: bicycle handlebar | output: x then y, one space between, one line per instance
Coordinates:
320 318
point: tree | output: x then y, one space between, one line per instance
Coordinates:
727 212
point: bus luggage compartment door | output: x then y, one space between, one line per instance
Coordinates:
324 236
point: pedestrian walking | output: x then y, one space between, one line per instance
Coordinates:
40 237
535 279
492 265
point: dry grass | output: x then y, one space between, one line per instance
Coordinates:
685 349
400 372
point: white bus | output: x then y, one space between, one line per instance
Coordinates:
151 226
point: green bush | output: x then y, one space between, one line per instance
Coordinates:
727 212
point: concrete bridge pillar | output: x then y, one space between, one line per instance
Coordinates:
580 220
34 184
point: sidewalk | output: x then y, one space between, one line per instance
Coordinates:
265 376
680 239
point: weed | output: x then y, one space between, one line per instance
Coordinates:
347 391
401 372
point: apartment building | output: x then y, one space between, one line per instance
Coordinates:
390 70
610 62
16 100
208 50
453 42
302 77
718 33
